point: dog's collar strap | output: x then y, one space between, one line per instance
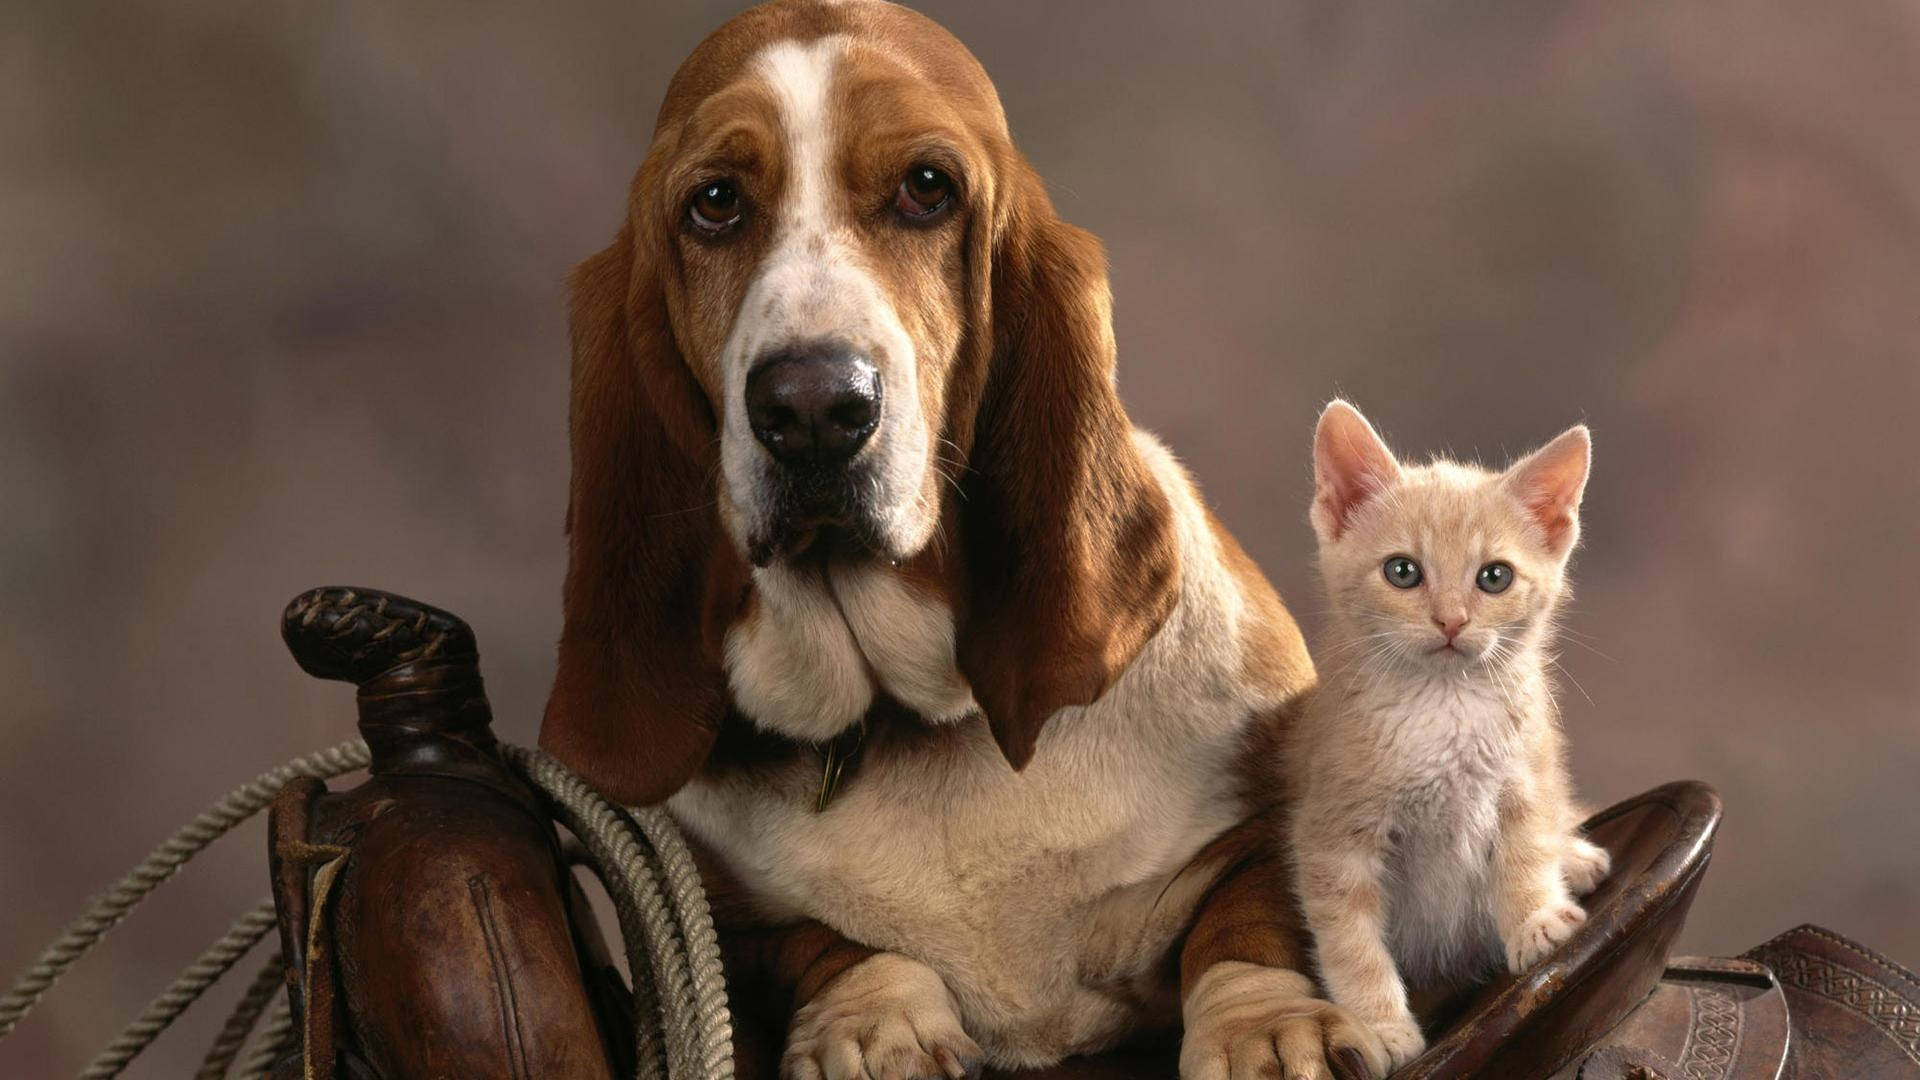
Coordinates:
840 757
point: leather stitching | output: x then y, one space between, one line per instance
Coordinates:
481 893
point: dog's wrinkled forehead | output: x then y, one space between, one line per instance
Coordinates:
908 38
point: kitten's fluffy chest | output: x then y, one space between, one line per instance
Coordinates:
1437 740
1443 750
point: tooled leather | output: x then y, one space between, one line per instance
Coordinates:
1715 1036
1709 1019
1889 1006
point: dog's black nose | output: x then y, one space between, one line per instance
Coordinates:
815 405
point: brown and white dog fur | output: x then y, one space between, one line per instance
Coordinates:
1056 837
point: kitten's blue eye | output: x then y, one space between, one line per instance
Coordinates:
1494 577
1402 572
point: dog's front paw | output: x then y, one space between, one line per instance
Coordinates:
1248 1022
886 1018
1538 934
1584 865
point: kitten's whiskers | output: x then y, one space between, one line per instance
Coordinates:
1555 661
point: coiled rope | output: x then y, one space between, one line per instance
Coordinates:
683 1029
276 1038
261 993
110 907
186 989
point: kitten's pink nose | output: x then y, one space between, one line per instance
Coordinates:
1451 626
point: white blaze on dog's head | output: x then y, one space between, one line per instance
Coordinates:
822 183
816 291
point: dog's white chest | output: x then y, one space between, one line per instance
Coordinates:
1043 923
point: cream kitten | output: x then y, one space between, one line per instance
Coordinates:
1434 827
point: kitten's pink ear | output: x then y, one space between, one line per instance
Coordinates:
1350 465
1549 482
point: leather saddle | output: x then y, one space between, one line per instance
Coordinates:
432 925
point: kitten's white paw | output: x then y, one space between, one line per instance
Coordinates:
1537 936
887 1016
1402 1037
1248 1022
1584 865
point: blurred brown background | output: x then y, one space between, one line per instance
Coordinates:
281 305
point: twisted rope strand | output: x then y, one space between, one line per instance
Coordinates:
246 1013
108 909
273 1042
184 991
649 1048
674 862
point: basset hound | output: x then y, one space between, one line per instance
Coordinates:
968 701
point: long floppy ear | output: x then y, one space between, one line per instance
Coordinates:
651 580
1068 539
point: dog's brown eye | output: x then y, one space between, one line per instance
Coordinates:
715 206
925 192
